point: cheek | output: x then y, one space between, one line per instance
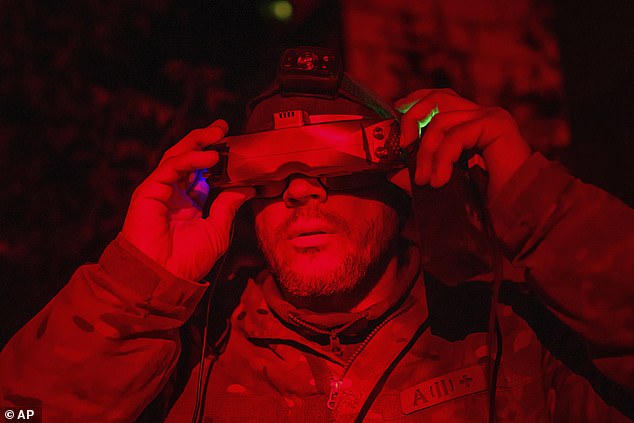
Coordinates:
268 217
377 231
371 219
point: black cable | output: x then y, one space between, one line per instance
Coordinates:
494 373
201 369
217 270
365 408
494 335
475 187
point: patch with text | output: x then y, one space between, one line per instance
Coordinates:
444 388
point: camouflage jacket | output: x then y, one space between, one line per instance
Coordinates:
109 343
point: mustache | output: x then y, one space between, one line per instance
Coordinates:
314 212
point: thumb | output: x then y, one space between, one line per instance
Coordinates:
223 210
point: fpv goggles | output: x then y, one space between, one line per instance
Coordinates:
314 121
351 152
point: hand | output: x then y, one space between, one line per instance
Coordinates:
164 219
460 125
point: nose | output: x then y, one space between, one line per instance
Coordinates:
301 190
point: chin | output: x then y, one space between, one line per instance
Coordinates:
317 274
310 265
314 259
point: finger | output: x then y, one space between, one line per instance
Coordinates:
222 212
176 168
404 104
426 151
425 107
160 184
447 135
414 132
462 131
448 153
199 139
414 111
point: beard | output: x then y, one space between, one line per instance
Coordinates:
307 275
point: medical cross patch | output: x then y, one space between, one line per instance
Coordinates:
444 388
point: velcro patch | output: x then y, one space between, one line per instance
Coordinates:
444 388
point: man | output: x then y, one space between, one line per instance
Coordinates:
345 325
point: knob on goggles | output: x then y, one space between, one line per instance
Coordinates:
313 121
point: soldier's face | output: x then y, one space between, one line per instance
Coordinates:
319 243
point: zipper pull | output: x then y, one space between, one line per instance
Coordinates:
335 386
335 345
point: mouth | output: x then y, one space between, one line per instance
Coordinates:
313 228
312 241
309 233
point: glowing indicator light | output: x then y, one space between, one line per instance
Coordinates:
281 10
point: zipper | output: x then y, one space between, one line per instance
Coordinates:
335 344
336 383
372 334
333 334
335 387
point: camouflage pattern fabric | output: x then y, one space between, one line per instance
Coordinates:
108 343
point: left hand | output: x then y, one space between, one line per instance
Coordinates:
460 125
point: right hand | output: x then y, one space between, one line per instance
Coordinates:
164 220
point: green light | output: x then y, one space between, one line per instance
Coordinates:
281 10
422 122
425 121
405 107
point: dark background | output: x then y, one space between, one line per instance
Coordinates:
91 93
